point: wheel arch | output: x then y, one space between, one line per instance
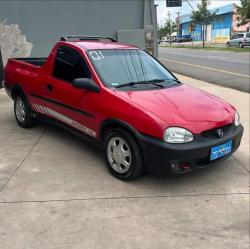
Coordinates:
110 124
17 91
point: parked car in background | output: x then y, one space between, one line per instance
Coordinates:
167 39
176 38
164 39
239 40
173 39
184 38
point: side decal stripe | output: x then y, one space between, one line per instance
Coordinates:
63 105
65 119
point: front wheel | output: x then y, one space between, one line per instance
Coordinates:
122 155
23 113
241 45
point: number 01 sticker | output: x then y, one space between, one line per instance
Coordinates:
96 55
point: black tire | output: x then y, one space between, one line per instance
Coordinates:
241 45
136 164
28 117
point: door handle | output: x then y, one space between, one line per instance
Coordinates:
49 87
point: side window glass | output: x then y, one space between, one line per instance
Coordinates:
248 35
69 65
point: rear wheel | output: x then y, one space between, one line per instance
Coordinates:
22 112
122 155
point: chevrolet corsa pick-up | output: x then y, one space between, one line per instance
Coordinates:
121 97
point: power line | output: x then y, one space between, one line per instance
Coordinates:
190 4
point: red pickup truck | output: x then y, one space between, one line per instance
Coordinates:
121 97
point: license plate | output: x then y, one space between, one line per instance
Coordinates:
221 150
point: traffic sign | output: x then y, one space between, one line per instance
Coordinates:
174 3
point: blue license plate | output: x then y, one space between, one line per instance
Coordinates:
221 150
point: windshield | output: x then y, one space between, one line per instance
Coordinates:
120 67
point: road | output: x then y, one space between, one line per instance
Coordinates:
228 69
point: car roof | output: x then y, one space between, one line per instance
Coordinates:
105 44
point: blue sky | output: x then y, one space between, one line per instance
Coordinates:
162 10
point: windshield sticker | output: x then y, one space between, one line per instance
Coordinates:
115 84
96 55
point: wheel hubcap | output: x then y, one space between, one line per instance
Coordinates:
20 110
119 155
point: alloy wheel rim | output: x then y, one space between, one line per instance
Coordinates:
20 110
119 155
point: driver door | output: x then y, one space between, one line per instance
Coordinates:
65 103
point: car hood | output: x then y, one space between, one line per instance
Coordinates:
182 106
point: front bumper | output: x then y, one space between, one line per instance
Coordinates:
160 156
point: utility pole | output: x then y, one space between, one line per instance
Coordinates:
178 16
161 29
170 27
204 3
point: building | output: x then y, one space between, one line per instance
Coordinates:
32 27
220 30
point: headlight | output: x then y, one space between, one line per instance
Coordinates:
237 119
176 135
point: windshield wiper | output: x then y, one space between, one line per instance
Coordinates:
152 82
175 81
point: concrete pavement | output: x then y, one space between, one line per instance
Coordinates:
55 192
229 69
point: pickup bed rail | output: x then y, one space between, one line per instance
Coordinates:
34 61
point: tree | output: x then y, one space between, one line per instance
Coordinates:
203 16
168 28
243 12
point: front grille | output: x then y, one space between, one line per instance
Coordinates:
212 133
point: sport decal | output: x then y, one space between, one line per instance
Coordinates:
67 120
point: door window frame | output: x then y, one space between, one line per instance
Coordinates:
75 51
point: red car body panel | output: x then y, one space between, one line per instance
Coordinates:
183 106
149 112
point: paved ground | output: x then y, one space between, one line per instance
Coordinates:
55 192
223 68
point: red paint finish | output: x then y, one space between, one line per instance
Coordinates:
149 111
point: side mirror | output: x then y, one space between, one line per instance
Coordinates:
85 83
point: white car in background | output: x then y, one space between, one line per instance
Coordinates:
239 40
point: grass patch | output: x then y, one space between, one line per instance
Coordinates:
212 48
